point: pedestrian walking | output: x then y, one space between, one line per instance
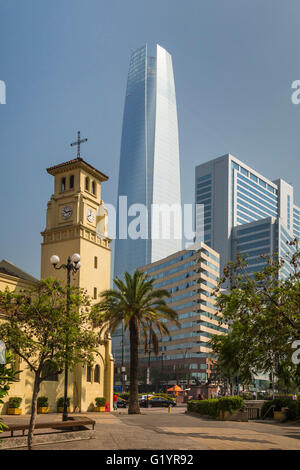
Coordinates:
115 402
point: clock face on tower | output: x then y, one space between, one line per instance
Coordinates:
90 215
66 212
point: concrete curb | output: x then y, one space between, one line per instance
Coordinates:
40 439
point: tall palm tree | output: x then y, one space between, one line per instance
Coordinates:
142 309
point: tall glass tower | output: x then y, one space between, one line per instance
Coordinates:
149 162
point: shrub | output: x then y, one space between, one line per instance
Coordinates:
125 395
293 406
230 403
293 412
204 407
246 396
14 402
42 402
213 406
100 401
60 402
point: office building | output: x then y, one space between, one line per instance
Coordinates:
244 212
190 276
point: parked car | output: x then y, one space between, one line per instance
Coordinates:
157 401
121 403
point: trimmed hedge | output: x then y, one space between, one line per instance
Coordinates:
281 402
42 402
124 395
60 402
213 406
14 402
100 401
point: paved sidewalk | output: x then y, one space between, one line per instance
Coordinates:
159 430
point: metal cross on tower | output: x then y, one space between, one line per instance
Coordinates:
78 142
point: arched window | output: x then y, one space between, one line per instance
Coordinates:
93 187
97 374
87 183
71 181
89 374
95 262
49 372
63 184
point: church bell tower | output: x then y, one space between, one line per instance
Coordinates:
75 212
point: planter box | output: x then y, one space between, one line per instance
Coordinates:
99 408
43 409
61 409
14 411
237 415
279 415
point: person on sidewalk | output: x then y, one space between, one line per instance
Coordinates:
115 402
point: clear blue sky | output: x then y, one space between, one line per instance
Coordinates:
65 65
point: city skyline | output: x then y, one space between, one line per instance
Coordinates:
233 92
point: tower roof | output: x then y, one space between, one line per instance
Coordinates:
77 163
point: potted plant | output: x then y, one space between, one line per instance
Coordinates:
60 405
100 404
43 405
14 406
281 415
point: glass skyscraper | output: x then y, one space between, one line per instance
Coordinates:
243 212
149 161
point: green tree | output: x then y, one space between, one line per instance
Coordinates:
233 364
36 327
8 375
142 309
263 310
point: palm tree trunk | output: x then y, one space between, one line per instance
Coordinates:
36 389
134 407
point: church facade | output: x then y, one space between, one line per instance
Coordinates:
74 212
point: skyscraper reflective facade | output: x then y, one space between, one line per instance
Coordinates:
245 213
149 161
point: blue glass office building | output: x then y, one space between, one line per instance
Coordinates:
244 212
149 160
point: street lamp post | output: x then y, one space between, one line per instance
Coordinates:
72 265
148 370
162 369
123 368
